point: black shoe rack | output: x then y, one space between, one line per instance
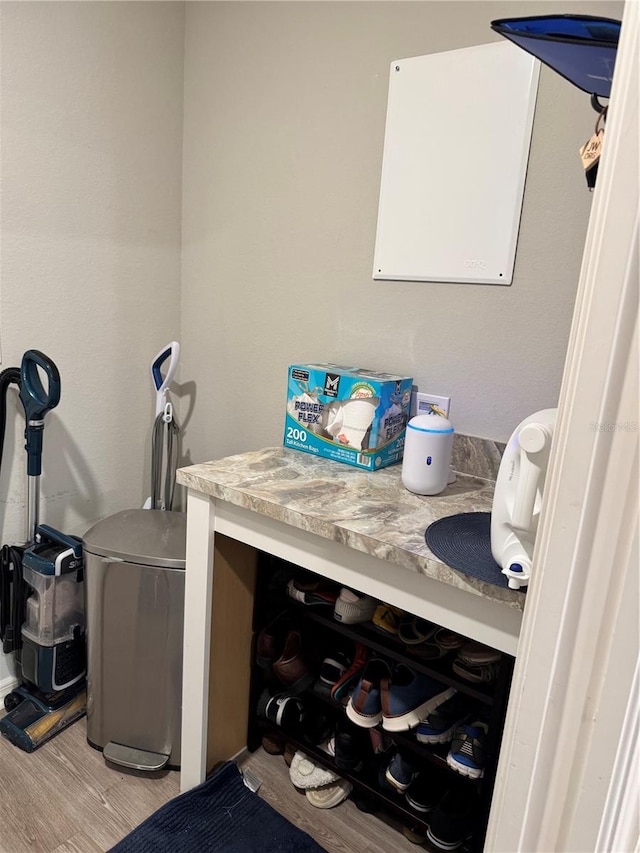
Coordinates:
322 635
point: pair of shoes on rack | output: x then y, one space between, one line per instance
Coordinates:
412 630
312 591
352 746
285 710
467 730
439 725
387 619
342 688
323 788
435 644
352 608
401 771
328 796
477 663
452 816
305 773
292 668
339 672
332 669
467 754
424 792
271 639
279 648
453 820
397 696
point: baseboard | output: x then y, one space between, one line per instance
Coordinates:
6 686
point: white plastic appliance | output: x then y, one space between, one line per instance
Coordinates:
427 454
517 500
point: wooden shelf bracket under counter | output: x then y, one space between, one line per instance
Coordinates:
360 529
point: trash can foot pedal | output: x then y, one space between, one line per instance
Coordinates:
135 759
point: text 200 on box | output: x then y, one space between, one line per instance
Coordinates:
348 414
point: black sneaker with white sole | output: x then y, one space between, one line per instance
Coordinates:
281 709
424 793
332 669
352 746
453 820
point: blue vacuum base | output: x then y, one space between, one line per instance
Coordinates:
35 718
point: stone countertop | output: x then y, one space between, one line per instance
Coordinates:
369 511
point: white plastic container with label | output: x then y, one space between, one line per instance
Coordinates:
427 454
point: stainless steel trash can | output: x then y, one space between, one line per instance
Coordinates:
134 599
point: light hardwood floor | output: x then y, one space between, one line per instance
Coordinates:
63 798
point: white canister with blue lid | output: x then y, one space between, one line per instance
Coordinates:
427 454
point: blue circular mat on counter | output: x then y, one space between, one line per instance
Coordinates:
463 542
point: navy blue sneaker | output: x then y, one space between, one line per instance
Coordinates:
467 753
408 697
383 783
365 705
401 772
439 725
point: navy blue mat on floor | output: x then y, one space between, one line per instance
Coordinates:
220 816
463 542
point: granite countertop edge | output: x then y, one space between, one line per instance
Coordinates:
318 497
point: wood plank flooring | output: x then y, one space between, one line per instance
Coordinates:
343 829
63 798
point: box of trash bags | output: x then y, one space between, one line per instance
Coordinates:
348 414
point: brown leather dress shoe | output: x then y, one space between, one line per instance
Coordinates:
291 668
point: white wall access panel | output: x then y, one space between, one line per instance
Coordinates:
456 147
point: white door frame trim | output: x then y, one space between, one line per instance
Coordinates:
619 826
557 788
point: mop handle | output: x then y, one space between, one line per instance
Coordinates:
161 383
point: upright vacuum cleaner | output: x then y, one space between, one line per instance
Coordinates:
41 586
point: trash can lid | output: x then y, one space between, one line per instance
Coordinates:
150 536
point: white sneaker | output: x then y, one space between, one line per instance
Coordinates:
330 795
352 607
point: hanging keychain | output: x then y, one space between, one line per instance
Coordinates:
591 151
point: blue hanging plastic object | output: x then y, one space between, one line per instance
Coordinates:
581 48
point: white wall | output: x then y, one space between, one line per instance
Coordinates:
91 190
285 108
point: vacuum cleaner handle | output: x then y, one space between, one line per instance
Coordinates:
37 401
161 383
